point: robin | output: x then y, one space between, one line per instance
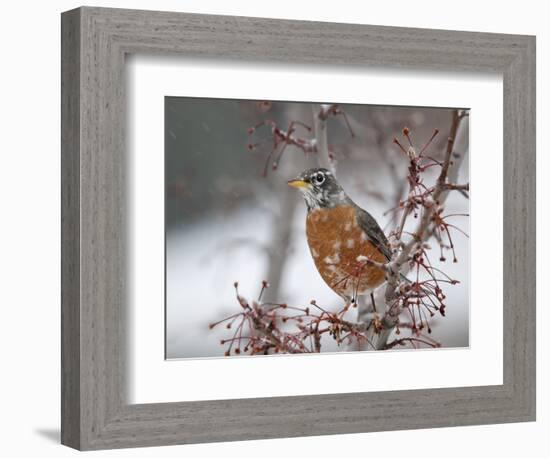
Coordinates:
342 237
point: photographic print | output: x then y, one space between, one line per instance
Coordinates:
297 227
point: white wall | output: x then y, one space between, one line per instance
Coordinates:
29 228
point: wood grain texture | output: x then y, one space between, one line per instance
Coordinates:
95 413
70 229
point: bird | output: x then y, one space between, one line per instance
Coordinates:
342 237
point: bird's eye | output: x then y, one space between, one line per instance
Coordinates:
319 178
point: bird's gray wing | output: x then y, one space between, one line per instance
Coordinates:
373 231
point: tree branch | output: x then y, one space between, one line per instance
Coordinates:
321 139
397 266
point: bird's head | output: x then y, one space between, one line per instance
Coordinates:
319 188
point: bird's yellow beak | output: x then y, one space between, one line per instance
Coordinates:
298 183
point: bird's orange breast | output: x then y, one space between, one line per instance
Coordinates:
336 241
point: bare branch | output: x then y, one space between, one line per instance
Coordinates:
431 207
321 140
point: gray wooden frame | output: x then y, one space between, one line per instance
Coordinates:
95 413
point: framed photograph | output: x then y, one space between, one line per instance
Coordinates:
279 228
302 276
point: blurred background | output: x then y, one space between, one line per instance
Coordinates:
227 222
